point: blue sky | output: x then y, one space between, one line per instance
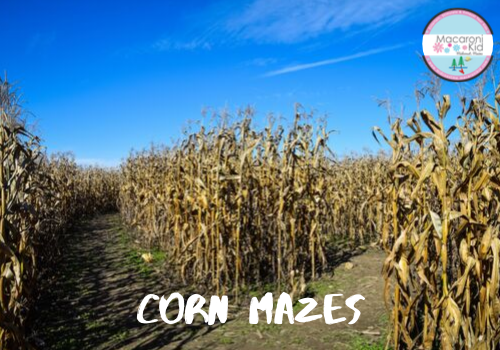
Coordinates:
103 77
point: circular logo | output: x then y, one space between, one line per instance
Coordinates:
458 45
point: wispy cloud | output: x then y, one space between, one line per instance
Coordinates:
291 21
282 22
300 67
169 44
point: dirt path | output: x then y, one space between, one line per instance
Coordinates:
92 301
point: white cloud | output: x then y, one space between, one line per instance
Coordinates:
290 21
332 61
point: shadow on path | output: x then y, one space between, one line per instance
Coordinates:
92 299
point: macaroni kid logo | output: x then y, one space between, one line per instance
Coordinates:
458 45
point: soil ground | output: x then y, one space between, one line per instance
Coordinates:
91 303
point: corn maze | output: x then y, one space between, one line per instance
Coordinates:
236 206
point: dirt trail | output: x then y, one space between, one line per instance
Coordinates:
92 301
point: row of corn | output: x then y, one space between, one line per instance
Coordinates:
442 226
235 206
41 198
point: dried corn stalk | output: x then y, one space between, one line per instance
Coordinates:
442 268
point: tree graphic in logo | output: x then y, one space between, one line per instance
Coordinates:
454 65
461 62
